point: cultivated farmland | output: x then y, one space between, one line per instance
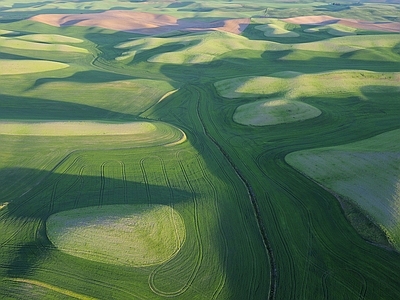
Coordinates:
199 150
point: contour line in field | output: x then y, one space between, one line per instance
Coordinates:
273 112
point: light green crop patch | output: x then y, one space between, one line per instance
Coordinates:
50 38
15 67
196 47
274 28
334 29
124 96
334 84
18 43
131 235
267 112
76 128
287 87
367 172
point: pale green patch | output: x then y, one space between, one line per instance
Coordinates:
336 84
17 43
250 86
334 29
3 31
197 47
367 172
15 67
75 128
271 30
272 112
132 235
123 96
345 44
274 28
206 47
341 30
50 38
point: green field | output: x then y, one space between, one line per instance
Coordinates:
208 158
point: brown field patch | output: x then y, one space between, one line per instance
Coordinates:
138 22
359 24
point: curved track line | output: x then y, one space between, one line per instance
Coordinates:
53 288
199 259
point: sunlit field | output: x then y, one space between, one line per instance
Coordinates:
199 150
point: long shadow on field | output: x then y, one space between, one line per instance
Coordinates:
24 248
24 108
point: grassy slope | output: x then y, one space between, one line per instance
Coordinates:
365 172
14 67
208 181
264 112
127 235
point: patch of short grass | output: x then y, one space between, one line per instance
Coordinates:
15 67
272 112
75 128
50 38
335 83
17 43
132 235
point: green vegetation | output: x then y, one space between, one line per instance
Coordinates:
76 128
20 43
133 235
366 172
274 28
14 67
274 112
245 163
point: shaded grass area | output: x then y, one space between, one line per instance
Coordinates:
364 225
27 108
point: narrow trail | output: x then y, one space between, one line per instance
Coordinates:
253 200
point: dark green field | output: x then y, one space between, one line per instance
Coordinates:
92 117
